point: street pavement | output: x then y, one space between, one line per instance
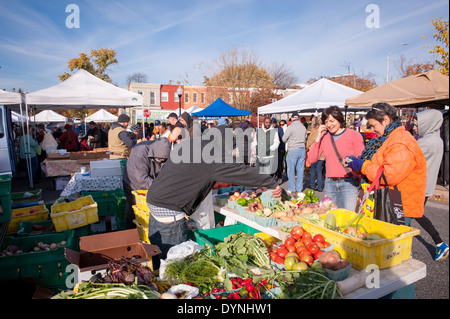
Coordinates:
434 286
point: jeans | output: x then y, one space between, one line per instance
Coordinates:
295 162
166 235
343 192
316 170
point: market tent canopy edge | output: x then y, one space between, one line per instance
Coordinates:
318 96
82 89
425 89
7 98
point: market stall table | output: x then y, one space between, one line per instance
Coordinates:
391 279
79 183
66 167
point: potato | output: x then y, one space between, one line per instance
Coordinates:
279 214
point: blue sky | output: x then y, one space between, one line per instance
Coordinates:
168 39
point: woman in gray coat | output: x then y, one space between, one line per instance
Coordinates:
427 126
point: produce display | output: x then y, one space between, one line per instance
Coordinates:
239 265
40 246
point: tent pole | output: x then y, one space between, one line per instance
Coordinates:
27 145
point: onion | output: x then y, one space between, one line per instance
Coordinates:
13 249
53 246
168 295
62 243
326 202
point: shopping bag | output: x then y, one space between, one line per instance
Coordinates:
388 206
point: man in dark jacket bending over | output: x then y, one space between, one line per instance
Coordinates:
144 164
192 169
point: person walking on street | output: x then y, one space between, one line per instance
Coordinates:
427 126
295 139
333 138
315 170
281 149
266 142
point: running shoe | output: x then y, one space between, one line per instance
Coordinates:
441 251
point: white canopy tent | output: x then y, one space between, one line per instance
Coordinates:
318 96
7 98
101 116
193 109
82 89
48 116
16 117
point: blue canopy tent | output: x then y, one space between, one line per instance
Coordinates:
219 108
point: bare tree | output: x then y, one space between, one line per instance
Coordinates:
137 77
283 76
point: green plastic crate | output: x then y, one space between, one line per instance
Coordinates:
213 236
27 227
106 201
20 198
5 198
48 268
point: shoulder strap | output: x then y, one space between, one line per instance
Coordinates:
339 155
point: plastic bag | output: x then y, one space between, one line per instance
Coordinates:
204 215
191 291
179 251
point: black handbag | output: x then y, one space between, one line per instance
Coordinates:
388 206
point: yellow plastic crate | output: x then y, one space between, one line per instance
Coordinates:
78 213
23 214
143 232
141 216
393 247
141 199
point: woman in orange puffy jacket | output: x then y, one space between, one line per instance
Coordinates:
398 152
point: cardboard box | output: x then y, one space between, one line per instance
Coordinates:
106 167
97 250
61 182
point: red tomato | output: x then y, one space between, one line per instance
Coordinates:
279 260
298 244
318 238
326 244
282 246
300 249
320 245
305 252
291 248
307 259
273 256
289 242
316 255
273 249
282 252
306 234
296 237
307 240
297 230
313 248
